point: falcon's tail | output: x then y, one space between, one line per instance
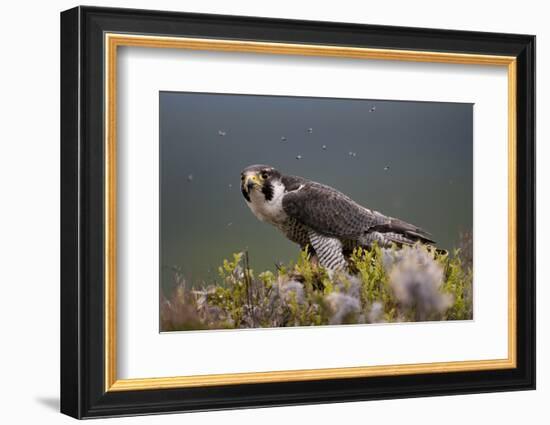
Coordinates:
401 232
387 239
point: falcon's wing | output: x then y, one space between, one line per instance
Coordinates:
331 213
328 211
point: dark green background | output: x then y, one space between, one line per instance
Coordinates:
204 219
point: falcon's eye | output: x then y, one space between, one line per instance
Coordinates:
264 175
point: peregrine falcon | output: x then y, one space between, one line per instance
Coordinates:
320 217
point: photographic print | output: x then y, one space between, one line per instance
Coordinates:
281 211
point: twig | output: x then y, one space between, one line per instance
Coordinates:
247 278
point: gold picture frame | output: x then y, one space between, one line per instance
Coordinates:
114 41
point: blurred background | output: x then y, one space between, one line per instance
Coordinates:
411 160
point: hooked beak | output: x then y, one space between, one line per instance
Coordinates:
250 181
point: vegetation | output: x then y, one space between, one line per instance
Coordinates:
415 283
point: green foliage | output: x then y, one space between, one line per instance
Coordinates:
458 283
374 279
381 285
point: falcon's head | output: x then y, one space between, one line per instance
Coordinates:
263 188
260 182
